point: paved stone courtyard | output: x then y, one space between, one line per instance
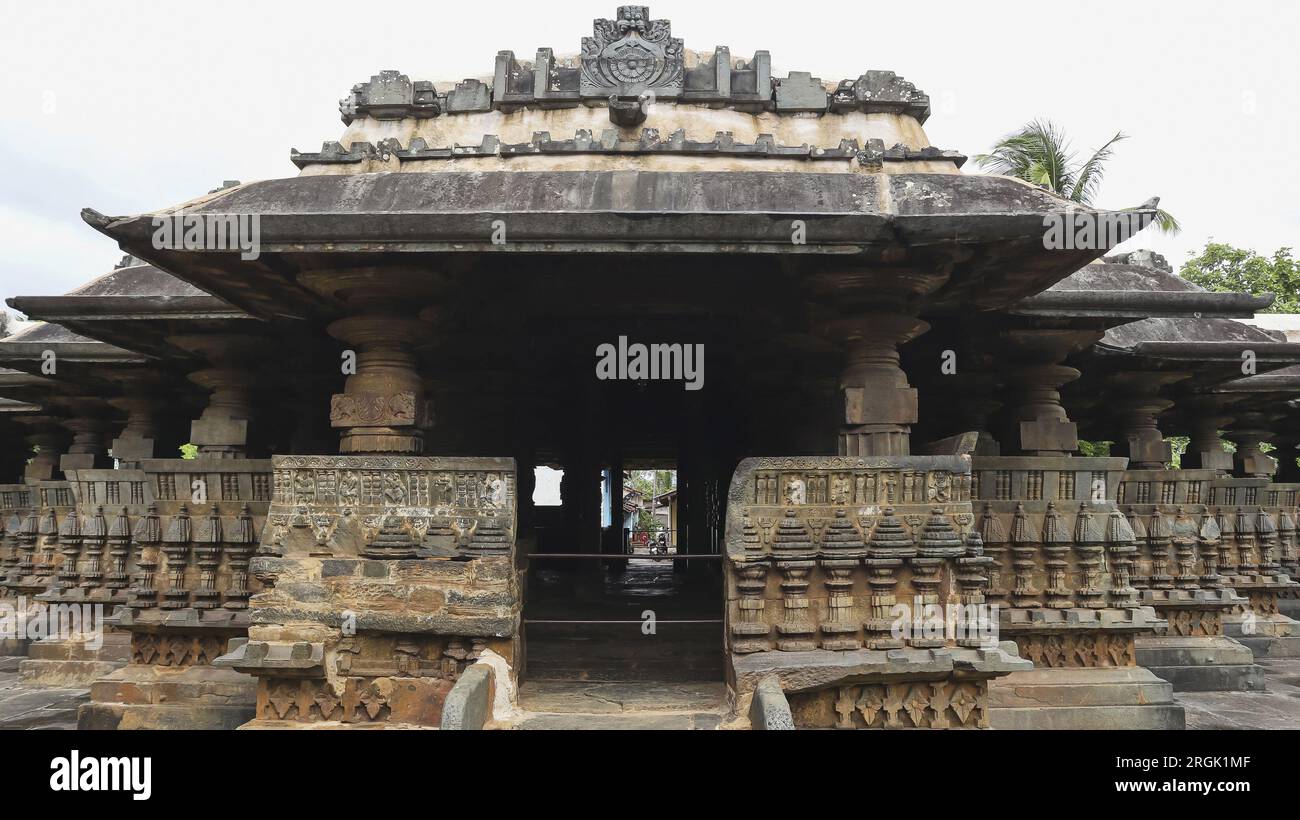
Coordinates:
23 707
1277 708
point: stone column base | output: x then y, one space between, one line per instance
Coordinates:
1122 697
1201 664
69 664
153 697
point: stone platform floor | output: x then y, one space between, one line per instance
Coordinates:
1277 708
620 705
24 707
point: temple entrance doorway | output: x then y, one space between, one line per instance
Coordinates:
646 606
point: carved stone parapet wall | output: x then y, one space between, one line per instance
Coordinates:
820 550
1179 545
165 548
170 541
32 527
383 577
1255 539
1065 559
391 507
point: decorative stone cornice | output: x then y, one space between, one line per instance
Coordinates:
629 59
612 142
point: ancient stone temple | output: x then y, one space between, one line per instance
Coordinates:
898 373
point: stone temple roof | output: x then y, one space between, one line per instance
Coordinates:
1208 345
714 158
133 290
134 277
1139 285
135 307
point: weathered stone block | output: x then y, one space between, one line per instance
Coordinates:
469 703
769 709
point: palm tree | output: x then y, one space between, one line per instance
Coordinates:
1039 153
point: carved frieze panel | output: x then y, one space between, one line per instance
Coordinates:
1088 649
772 497
943 704
377 410
176 650
1192 623
313 701
396 507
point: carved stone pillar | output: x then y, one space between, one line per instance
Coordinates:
1139 404
1037 423
1248 431
879 405
89 447
1205 449
382 408
49 441
870 312
221 431
138 439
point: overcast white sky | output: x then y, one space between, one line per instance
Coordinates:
137 104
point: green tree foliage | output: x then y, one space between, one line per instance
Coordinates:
1224 268
1094 449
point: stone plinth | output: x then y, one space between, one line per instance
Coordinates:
1063 577
1116 698
172 562
880 689
75 661
1250 552
32 533
821 552
1201 664
1176 569
385 578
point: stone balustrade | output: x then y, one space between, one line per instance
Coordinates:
843 574
384 578
167 547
